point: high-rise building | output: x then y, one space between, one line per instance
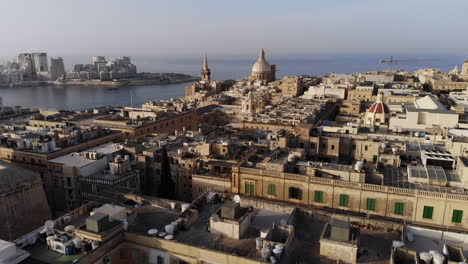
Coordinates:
33 64
57 68
40 62
25 62
99 59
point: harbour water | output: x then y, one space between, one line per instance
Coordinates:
79 98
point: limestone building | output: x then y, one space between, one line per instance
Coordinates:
23 204
423 114
262 70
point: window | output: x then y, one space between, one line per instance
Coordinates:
249 188
318 196
200 189
399 208
354 147
344 200
427 212
271 189
160 260
457 216
365 148
332 147
295 193
371 204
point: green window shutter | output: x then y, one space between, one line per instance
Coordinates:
457 216
252 188
399 208
344 199
271 189
318 197
428 212
371 204
247 188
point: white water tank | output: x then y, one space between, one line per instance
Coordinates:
397 244
169 229
52 145
21 144
438 258
172 205
169 237
118 158
359 165
277 253
127 157
426 257
185 207
383 145
45 147
264 233
291 158
180 151
273 260
279 246
125 225
258 242
77 242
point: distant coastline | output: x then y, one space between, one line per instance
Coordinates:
164 78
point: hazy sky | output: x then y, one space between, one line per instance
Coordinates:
235 27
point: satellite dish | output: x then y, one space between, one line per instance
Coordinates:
215 217
49 224
237 198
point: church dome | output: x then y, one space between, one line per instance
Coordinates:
379 107
261 65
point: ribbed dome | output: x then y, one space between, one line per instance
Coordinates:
261 65
379 108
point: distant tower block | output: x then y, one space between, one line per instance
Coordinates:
205 73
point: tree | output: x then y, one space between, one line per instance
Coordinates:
167 187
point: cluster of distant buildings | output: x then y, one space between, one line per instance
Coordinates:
104 70
369 167
34 67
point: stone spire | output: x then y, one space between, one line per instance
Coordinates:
262 54
205 63
205 73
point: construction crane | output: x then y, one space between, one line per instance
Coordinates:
392 61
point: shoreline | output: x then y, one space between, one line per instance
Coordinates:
104 84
